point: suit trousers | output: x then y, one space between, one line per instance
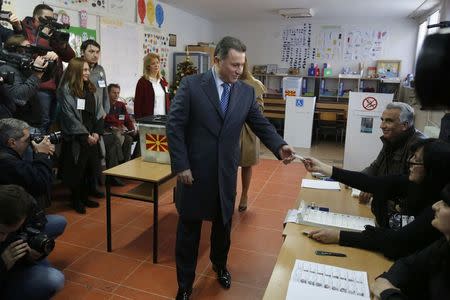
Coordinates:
187 243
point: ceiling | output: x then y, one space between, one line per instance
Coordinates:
228 10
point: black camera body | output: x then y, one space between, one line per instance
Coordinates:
57 36
54 137
37 240
8 77
22 62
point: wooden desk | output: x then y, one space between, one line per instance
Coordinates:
298 246
302 247
156 178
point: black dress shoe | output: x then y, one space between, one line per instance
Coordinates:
96 193
79 207
223 276
183 295
90 203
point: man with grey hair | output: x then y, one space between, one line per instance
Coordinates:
34 176
399 134
203 130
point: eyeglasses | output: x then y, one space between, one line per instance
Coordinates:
415 163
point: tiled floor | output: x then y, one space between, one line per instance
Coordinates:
128 272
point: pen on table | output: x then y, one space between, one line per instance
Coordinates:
328 253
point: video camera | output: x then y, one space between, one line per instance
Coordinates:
8 77
54 137
55 34
22 58
4 15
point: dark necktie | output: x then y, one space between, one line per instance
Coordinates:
225 98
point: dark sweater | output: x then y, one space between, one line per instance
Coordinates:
423 276
392 243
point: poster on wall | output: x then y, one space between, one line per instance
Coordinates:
78 35
8 5
329 43
296 49
150 12
158 43
364 44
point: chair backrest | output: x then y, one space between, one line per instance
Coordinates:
327 116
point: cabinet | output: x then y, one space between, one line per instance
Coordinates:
209 50
199 59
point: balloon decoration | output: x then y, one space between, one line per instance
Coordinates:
141 10
151 12
159 15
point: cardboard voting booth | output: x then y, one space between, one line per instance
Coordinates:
362 140
299 115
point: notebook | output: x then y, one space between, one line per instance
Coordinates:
320 184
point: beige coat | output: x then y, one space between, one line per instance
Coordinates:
249 142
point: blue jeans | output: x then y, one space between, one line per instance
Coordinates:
32 282
47 108
55 225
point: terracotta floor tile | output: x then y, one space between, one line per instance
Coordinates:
154 279
248 268
207 288
124 292
280 189
120 214
64 254
274 202
256 239
263 218
75 291
107 266
90 282
87 233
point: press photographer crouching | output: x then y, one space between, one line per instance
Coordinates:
34 176
24 271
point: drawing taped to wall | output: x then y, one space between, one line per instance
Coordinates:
296 48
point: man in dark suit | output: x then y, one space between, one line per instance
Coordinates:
203 129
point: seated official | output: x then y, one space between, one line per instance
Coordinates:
399 134
409 229
24 271
426 274
34 176
119 132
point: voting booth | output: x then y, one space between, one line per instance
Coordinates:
362 140
299 115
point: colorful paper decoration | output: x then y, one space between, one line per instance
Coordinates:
83 18
141 10
159 15
150 12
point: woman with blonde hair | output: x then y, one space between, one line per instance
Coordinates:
81 124
249 142
152 93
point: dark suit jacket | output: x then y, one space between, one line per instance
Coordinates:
202 139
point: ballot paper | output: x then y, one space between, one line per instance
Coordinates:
355 193
311 280
309 216
320 184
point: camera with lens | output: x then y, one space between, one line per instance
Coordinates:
8 77
37 240
54 137
55 35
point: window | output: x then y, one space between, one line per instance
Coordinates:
424 31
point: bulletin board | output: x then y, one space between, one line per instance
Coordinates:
155 41
122 61
296 49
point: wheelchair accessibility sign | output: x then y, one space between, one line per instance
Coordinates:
299 102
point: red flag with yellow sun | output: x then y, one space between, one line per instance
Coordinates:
156 142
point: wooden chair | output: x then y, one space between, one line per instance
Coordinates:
328 123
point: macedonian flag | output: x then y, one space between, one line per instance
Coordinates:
156 142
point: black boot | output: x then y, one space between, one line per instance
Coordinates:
77 202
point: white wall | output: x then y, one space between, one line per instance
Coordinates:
263 39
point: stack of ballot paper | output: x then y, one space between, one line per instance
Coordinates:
311 280
320 184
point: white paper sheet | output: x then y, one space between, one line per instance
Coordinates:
321 184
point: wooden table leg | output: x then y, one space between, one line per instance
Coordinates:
108 213
155 224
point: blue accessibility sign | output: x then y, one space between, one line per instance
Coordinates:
299 102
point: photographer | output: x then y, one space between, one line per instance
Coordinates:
5 33
34 176
24 89
24 274
62 51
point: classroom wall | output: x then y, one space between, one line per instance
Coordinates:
263 39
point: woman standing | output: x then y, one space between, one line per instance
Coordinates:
81 125
249 142
152 93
